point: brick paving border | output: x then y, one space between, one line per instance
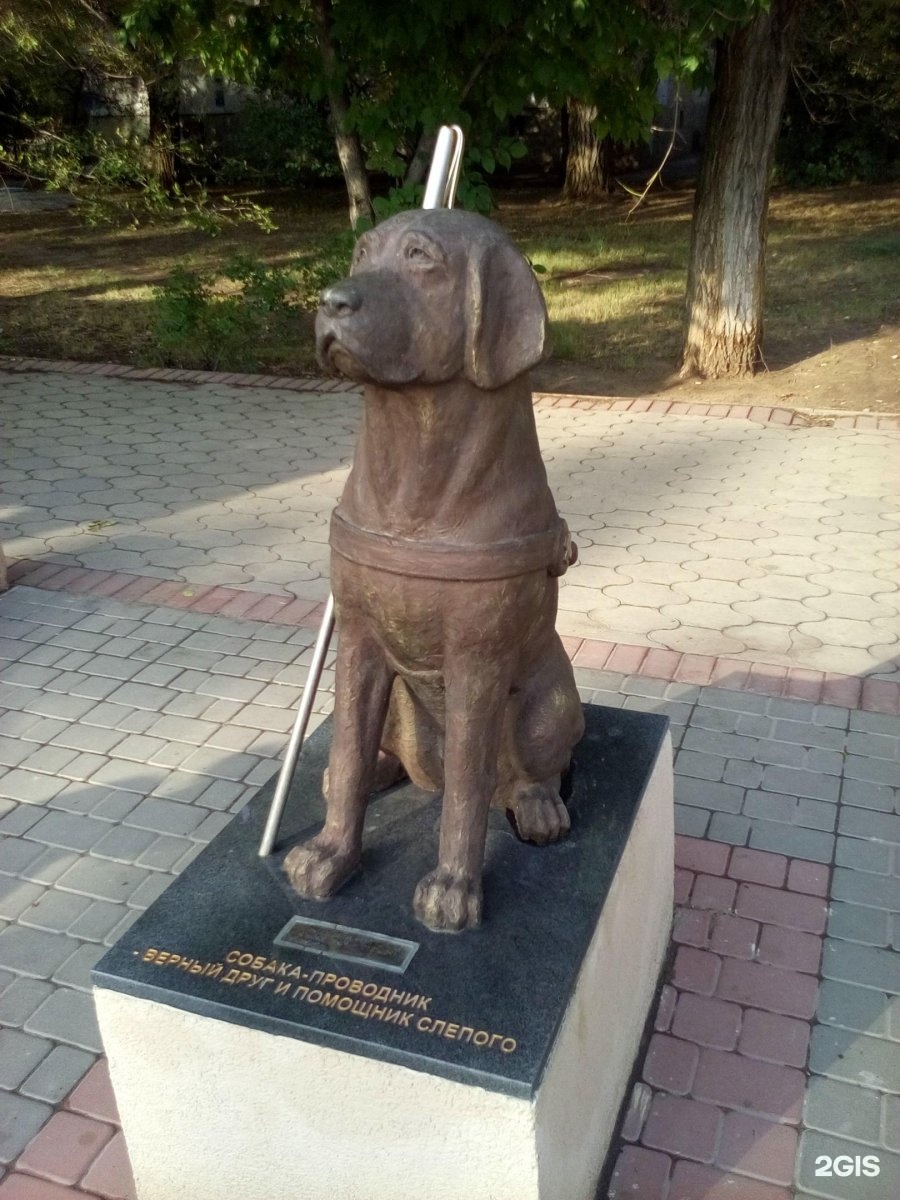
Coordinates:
718 1104
761 413
795 683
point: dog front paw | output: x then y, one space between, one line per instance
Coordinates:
448 901
539 814
316 869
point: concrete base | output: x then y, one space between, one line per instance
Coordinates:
214 1109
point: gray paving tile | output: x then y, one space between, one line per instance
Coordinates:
97 920
67 1016
165 816
129 776
871 722
54 911
691 822
864 965
808 784
101 879
853 1007
49 865
75 972
20 1053
792 840
16 855
863 856
718 797
164 852
16 896
21 998
872 770
33 952
68 831
853 923
842 1054
20 1120
858 822
876 796
57 1074
815 1145
150 890
124 844
29 786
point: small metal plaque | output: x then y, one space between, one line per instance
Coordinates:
352 945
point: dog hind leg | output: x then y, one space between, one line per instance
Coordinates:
546 727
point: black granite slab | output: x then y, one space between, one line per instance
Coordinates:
506 982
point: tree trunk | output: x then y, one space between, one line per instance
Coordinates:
349 147
724 309
588 158
420 162
164 103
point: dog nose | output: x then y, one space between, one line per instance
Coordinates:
341 299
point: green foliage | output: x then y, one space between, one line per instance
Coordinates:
227 322
842 114
237 318
279 141
117 182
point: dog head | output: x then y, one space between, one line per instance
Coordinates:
432 295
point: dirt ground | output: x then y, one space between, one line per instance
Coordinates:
860 375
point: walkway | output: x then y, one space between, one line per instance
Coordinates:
143 704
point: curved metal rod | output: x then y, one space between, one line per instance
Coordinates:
440 192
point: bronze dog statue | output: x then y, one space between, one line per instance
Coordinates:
446 548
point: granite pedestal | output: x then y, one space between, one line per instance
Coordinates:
272 1048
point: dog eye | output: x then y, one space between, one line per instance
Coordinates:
419 255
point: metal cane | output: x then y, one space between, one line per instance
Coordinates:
440 192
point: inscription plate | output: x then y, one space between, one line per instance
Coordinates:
353 945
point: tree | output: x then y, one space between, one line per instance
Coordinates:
589 158
724 304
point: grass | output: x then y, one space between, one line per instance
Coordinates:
614 287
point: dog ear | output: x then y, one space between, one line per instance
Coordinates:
506 331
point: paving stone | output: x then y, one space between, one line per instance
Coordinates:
670 1064
50 865
54 911
775 907
65 1147
863 856
94 1095
682 1126
57 1074
857 822
129 776
101 880
726 827
67 1016
758 1147
33 952
876 796
758 985
854 923
20 999
865 965
871 722
68 831
874 891
853 1007
691 822
640 1173
165 816
843 1110
720 797
855 1058
791 840
891 1122
97 920
19 820
123 844
706 1022
774 1038
110 1173
691 1180
16 897
696 970
749 1085
29 786
150 890
810 784
76 971
20 1120
19 1055
789 948
16 855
